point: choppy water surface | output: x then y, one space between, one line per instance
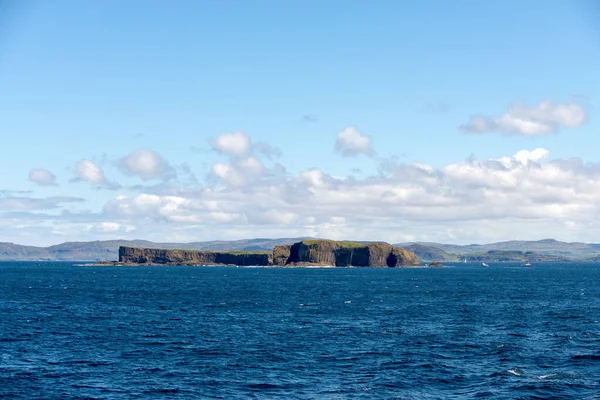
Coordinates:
204 332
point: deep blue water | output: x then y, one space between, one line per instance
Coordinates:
502 332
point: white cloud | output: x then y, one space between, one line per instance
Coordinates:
313 177
239 172
542 119
459 201
233 144
89 171
147 165
526 195
525 156
349 142
109 228
174 209
42 177
252 165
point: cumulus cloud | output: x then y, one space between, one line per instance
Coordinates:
239 144
109 228
542 119
239 172
89 171
174 209
146 165
525 195
233 144
417 201
42 177
350 142
313 177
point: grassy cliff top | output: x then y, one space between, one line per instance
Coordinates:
341 243
237 253
234 252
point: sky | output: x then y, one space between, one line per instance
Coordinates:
446 121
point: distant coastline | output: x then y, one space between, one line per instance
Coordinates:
547 250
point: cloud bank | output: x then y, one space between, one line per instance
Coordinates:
405 202
526 195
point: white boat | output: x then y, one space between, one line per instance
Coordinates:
465 260
484 264
527 265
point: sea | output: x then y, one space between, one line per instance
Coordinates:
458 332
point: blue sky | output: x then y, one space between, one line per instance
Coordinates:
379 120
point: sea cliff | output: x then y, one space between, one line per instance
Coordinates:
133 255
303 253
343 254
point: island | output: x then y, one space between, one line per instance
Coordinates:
100 251
305 253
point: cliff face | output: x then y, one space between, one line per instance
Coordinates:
135 255
281 254
306 252
343 254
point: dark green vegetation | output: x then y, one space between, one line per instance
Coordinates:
340 243
303 253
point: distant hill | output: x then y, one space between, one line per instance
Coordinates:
514 256
430 253
108 250
546 247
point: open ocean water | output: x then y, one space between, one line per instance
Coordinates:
502 332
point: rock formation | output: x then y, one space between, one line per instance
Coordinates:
133 255
343 254
304 253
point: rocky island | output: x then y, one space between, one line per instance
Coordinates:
304 253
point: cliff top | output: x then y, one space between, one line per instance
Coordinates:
232 252
342 243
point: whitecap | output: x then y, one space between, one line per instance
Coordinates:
515 371
545 376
